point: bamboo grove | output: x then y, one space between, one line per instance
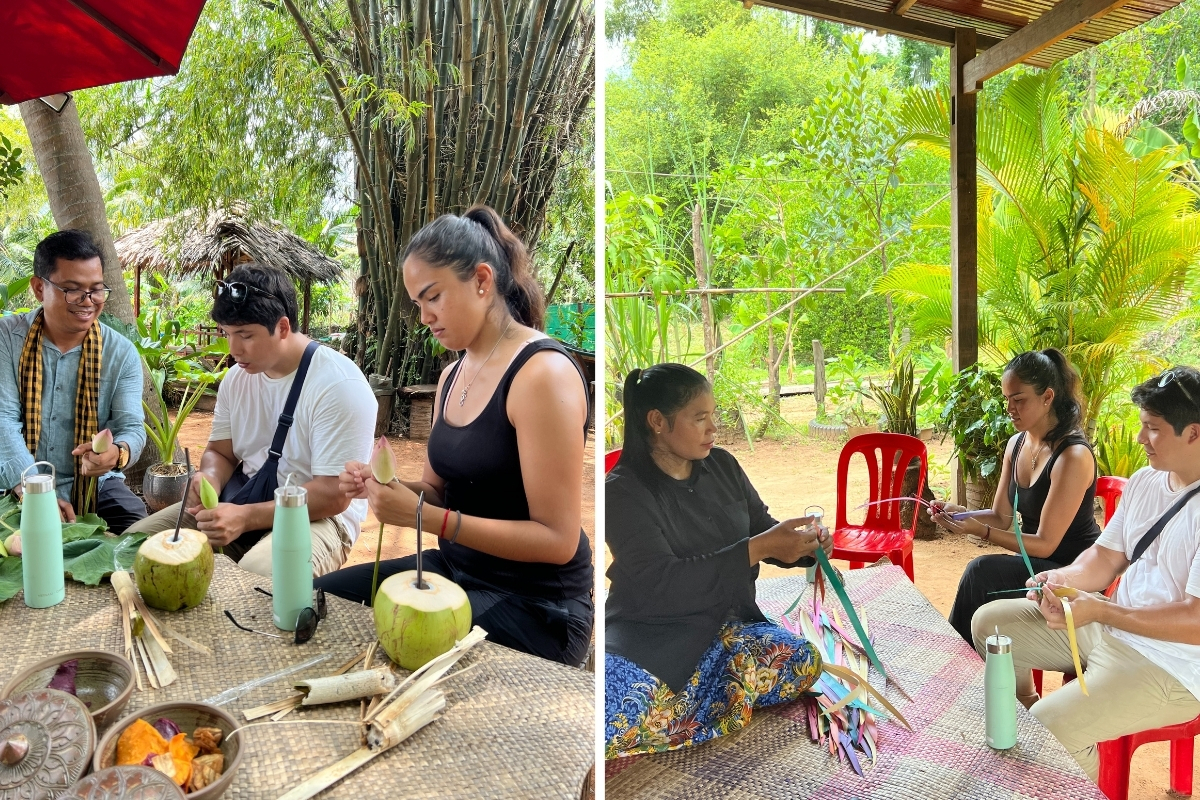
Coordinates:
446 103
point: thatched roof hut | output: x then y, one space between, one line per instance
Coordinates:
183 245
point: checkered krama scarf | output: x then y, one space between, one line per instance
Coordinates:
87 396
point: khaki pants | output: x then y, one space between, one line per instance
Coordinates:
330 541
1127 692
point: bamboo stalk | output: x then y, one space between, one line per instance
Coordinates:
162 667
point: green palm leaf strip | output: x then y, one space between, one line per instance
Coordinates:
840 589
1017 531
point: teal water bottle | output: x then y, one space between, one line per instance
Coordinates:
41 540
1000 693
291 556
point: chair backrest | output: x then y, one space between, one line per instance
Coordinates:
1109 489
888 456
610 460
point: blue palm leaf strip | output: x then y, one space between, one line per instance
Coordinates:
840 590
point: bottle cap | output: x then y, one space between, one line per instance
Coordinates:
999 644
38 483
289 496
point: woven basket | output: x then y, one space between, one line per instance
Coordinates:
103 682
188 716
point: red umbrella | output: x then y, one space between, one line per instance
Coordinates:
52 46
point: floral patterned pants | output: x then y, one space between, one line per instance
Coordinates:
749 665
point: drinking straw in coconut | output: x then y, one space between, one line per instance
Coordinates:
421 584
187 458
100 444
383 469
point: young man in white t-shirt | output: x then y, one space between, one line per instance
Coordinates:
1140 651
334 422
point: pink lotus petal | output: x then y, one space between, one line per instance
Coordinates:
102 441
383 461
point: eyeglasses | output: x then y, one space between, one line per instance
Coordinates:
75 296
306 623
1169 376
238 291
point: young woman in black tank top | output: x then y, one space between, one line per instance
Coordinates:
1049 473
506 451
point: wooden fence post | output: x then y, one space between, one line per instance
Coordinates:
819 374
700 254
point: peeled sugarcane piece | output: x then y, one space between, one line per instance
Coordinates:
127 595
351 686
422 678
417 714
162 667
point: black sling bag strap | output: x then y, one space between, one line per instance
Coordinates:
241 490
1157 528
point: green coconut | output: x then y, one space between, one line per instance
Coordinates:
173 575
415 625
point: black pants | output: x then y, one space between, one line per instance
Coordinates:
990 574
556 630
117 505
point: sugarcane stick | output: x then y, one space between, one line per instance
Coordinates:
128 596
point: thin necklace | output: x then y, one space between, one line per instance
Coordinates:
1033 461
462 398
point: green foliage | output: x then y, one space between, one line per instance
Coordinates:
848 376
170 352
12 290
976 419
11 168
900 400
11 577
160 430
1083 246
1118 452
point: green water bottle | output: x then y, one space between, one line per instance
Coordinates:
1000 693
41 540
291 556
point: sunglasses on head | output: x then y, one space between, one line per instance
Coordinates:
1170 376
306 623
238 291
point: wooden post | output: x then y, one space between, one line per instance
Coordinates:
137 290
964 223
700 254
307 304
818 373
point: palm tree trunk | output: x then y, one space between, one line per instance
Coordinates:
73 189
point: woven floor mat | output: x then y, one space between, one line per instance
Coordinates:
945 757
515 726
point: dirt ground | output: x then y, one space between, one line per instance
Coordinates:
790 474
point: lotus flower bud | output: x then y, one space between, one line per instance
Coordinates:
13 544
102 441
383 461
208 495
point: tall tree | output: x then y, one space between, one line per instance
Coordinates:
446 103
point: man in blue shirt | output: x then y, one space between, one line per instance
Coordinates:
87 379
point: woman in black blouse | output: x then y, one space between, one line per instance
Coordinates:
1053 485
688 653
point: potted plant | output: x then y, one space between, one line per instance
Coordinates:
974 416
164 482
900 400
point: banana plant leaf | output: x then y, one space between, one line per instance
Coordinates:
10 577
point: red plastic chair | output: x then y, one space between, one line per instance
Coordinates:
611 459
1115 756
888 456
1108 489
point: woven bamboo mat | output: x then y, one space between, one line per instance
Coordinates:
945 757
515 726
